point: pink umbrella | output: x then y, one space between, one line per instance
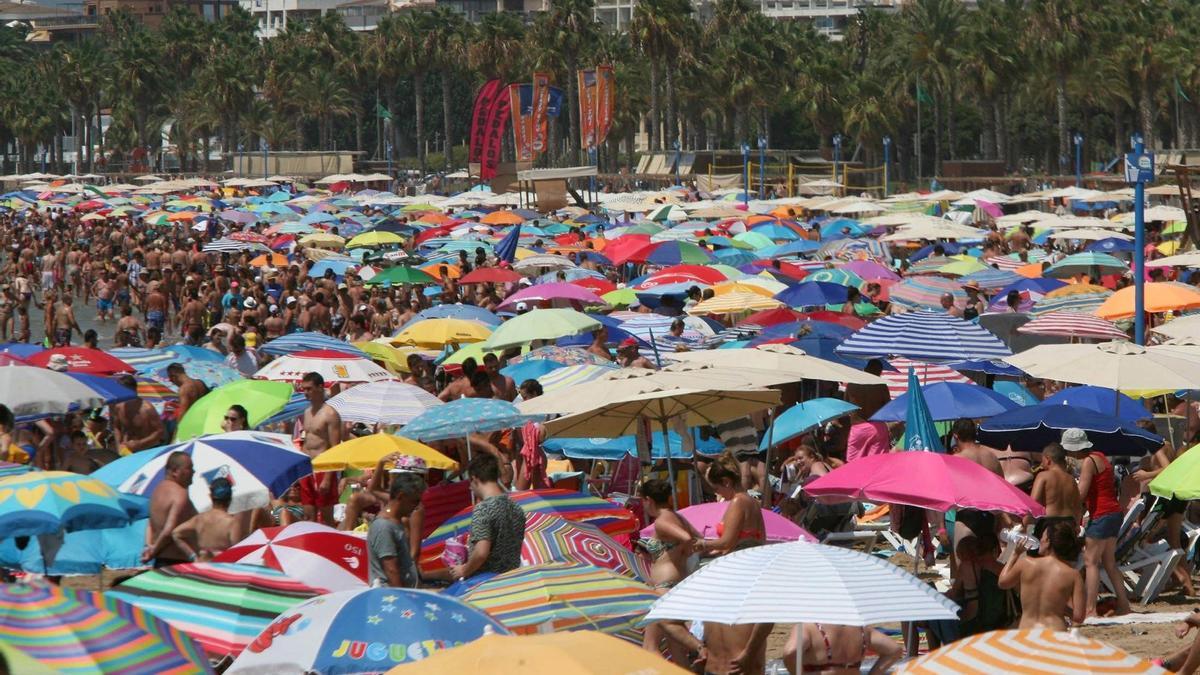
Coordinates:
989 208
706 517
869 270
927 480
316 554
563 293
1074 324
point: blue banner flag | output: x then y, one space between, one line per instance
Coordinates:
506 250
919 431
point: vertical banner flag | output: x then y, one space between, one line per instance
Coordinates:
484 100
554 107
587 108
919 430
606 93
520 102
541 106
493 135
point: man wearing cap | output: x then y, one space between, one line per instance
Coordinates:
214 530
233 297
628 356
1098 490
389 551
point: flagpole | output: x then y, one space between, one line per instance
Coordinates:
918 143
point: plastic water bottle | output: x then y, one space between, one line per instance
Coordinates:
1013 536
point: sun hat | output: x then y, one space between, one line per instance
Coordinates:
1074 440
58 363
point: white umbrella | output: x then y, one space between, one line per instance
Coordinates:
695 407
1180 327
1115 365
543 262
26 391
387 402
782 360
1189 259
333 366
1089 234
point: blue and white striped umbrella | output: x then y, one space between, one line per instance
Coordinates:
992 279
572 375
387 402
233 246
924 336
300 342
465 416
148 360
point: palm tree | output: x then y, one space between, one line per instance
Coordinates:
497 47
450 34
1057 37
80 75
565 29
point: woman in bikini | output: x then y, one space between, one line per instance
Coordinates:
840 650
742 522
668 551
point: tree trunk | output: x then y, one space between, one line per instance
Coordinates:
672 129
1118 129
448 146
1001 131
1060 104
1146 115
99 128
572 109
655 122
987 141
358 128
419 103
951 127
937 135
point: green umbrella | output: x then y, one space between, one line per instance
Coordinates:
400 275
472 351
754 239
540 324
260 398
622 297
1181 478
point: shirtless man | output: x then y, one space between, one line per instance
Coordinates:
503 386
65 323
170 506
156 308
1055 489
103 289
49 270
192 313
190 389
598 347
136 424
274 325
322 430
461 386
131 327
214 530
971 521
1049 584
628 356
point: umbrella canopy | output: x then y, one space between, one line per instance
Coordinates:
1105 401
621 416
258 464
1037 651
260 399
1164 296
79 552
1073 324
569 376
464 416
804 417
82 360
1086 298
386 402
540 324
1180 327
558 294
333 366
567 356
299 342
550 539
45 502
779 360
927 480
614 449
580 652
1181 478
239 601
802 582
1034 427
389 626
812 294
1114 365
366 451
1092 263
437 333
925 292
490 275
395 276
949 401
28 390
73 631
928 336
311 553
563 597
735 302
706 518
539 264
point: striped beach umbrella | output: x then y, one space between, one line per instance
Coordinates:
311 553
1085 298
1089 262
550 539
222 606
563 597
465 416
736 302
13 469
925 292
929 336
299 342
1012 261
574 506
1074 324
387 402
332 365
927 373
73 631
568 356
1032 651
992 279
572 375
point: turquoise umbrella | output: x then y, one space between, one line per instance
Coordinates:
465 416
45 502
1090 262
804 417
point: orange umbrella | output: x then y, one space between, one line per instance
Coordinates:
785 211
434 270
182 215
276 260
1163 296
1030 271
758 218
434 218
502 218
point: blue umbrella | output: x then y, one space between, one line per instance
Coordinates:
1101 400
466 312
808 328
950 401
991 279
530 369
812 294
804 417
47 502
465 416
925 336
1110 245
294 408
843 228
1035 427
210 373
734 257
20 349
1041 285
1015 392
986 366
339 267
81 552
110 389
924 252
299 342
613 449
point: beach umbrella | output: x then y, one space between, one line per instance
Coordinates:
272 260
385 402
212 373
78 632
992 279
1034 427
375 239
1180 327
223 607
1036 651
323 240
530 370
542 263
735 302
232 246
1118 365
1073 324
802 582
299 342
839 318
338 266
558 294
1162 296
361 630
1091 263
563 597
365 452
463 312
803 417
1085 298
949 401
577 507
82 360
540 324
707 518
79 552
490 275
394 276
615 449
465 416
46 502
925 292
960 267
1181 478
579 653
933 336
333 366
551 539
672 253
812 294
779 360
260 399
926 480
311 553
437 333
836 276
13 469
258 464
771 317
1105 401
569 376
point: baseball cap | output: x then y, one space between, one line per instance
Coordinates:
627 343
1075 439
221 488
274 309
234 284
291 300
58 363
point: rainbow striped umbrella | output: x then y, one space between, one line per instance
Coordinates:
1037 650
575 506
80 632
925 292
1074 324
222 606
563 597
927 373
1083 298
551 539
13 469
568 356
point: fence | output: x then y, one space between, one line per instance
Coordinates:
788 179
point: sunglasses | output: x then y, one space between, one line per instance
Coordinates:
232 418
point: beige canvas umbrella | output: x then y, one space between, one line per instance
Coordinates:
1090 234
694 407
782 360
1189 259
734 303
1180 327
1115 365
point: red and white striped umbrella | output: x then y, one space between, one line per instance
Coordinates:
315 554
927 373
1074 324
332 365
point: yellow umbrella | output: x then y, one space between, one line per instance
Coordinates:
731 303
1163 296
582 652
747 286
365 453
439 332
389 356
375 238
323 240
961 267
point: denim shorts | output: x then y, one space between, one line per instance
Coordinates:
1104 527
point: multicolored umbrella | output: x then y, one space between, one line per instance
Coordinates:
572 375
574 506
1088 262
45 502
836 276
260 399
311 553
238 601
927 373
82 360
1037 651
925 292
210 373
364 630
465 416
567 356
1074 325
563 597
333 366
400 275
551 539
74 631
28 390
387 402
12 469
299 342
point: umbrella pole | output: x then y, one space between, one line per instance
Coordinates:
468 462
767 470
670 462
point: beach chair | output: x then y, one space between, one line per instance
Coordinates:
1145 567
866 540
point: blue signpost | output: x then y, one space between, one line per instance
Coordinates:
678 158
762 167
745 174
1139 170
837 157
1078 159
887 165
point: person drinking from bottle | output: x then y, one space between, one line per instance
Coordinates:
1051 589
